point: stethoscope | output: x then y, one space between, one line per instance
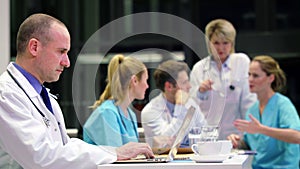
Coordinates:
45 119
207 69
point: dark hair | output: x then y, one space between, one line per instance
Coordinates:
35 26
168 72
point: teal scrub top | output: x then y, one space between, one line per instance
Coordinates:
272 153
107 125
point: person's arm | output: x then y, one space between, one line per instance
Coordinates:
154 118
196 79
254 126
26 139
199 118
157 121
286 135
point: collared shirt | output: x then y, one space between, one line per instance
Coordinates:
32 80
158 120
222 105
170 107
24 135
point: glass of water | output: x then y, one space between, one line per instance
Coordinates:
194 135
209 133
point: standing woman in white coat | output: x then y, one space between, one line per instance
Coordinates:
219 81
33 133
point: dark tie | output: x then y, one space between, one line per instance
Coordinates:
46 99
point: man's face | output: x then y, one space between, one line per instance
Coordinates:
183 82
53 57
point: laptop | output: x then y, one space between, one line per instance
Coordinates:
174 148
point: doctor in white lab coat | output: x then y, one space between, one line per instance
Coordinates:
220 80
33 137
163 116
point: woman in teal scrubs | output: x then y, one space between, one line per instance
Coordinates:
113 122
272 124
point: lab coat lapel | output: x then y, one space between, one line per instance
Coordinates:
54 129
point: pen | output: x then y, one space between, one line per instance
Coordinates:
247 152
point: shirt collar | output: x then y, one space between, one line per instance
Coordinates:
32 80
227 64
171 107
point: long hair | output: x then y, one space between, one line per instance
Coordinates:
122 77
112 67
120 70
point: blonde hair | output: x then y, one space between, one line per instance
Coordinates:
112 67
123 75
222 29
120 71
270 66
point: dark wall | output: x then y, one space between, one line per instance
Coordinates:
264 27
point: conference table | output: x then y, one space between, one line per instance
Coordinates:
235 162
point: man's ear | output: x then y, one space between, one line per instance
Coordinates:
168 86
33 46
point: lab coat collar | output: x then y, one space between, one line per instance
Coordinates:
22 80
227 64
32 80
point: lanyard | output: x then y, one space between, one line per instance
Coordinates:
45 119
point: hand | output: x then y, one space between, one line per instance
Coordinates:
205 85
235 139
181 97
132 149
251 127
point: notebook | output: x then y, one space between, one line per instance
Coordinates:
174 148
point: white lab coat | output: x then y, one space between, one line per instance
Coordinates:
222 105
26 141
158 121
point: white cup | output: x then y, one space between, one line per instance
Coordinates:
226 146
212 147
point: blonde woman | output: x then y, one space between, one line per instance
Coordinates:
112 122
272 124
219 81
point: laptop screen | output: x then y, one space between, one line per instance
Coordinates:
173 151
181 133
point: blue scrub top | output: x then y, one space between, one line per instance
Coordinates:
273 153
107 125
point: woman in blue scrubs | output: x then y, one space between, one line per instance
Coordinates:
272 124
113 122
